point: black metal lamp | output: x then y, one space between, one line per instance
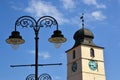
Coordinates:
27 21
15 39
57 38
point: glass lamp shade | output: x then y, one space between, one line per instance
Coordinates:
15 39
15 46
57 38
57 45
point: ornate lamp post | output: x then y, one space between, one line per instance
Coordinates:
27 21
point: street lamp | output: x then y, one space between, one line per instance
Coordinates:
27 21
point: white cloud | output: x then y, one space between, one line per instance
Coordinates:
76 20
98 15
16 6
95 3
68 4
95 16
57 78
43 55
40 8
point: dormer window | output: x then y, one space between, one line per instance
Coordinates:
92 54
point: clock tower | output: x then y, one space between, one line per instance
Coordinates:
85 60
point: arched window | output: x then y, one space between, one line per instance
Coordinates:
92 54
74 54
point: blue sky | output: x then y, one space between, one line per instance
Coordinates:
101 16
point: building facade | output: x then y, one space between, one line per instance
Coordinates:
85 60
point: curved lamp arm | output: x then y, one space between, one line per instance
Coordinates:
47 21
28 21
25 21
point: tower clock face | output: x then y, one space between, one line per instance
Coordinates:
74 67
93 65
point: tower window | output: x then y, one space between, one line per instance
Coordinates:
74 56
92 54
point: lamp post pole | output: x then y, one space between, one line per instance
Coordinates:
27 21
36 53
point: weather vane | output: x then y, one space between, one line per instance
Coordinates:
82 18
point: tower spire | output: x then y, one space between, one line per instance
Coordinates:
82 18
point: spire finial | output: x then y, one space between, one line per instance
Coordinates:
82 18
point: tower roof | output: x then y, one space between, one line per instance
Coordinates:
81 33
83 36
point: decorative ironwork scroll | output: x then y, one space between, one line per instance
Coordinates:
30 77
28 21
45 76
